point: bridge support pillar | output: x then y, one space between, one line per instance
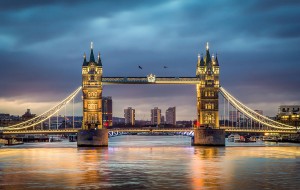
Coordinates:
92 138
209 137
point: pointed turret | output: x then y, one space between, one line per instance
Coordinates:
202 64
84 60
207 57
99 60
92 58
216 60
199 60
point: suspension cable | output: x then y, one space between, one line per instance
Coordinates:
252 114
44 116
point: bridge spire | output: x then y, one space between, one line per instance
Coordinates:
99 60
216 60
199 59
202 61
92 57
207 57
84 60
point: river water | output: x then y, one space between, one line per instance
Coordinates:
150 162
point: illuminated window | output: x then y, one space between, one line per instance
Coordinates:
92 106
92 94
209 106
209 118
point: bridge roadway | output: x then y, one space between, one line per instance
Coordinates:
145 129
146 80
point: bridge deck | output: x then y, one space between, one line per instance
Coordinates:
144 80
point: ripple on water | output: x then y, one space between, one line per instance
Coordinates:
149 162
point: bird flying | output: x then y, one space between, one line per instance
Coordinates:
140 67
165 67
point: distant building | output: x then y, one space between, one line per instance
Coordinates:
107 111
5 119
289 114
171 116
238 117
162 119
129 115
4 116
155 116
289 109
184 123
27 115
234 116
118 120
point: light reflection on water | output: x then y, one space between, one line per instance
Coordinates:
149 162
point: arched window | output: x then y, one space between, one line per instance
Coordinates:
209 118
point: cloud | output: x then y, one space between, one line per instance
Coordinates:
42 43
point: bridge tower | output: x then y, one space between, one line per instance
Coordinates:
92 92
92 133
208 91
207 132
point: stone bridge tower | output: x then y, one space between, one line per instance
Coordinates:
92 92
92 132
208 91
207 132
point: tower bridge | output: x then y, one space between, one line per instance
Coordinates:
213 104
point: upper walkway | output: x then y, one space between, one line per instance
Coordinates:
151 79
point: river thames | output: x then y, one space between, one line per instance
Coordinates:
150 162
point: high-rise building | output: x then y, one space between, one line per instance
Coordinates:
107 111
171 116
162 119
235 116
129 115
155 116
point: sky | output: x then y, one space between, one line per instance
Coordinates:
42 45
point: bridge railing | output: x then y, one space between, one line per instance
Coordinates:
151 129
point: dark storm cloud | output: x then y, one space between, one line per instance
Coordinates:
33 21
42 42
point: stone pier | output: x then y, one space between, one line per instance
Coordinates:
209 137
92 138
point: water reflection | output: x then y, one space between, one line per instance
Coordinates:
207 171
148 163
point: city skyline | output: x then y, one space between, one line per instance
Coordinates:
42 46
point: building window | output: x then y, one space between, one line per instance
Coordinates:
209 118
209 106
92 106
92 94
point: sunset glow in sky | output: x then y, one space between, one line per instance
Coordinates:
42 44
